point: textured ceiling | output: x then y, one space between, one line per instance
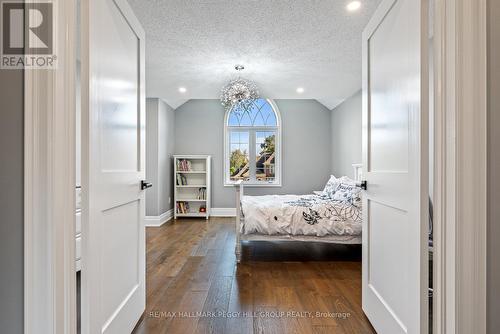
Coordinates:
313 44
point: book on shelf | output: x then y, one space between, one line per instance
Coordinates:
184 165
182 207
202 193
181 180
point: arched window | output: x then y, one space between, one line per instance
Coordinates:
252 144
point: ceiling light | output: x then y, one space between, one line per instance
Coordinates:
353 6
182 90
300 90
239 92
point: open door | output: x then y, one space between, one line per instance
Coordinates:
113 155
395 156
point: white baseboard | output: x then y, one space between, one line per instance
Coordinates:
223 212
155 221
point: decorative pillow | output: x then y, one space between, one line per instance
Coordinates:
331 186
346 190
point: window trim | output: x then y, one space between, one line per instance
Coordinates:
279 151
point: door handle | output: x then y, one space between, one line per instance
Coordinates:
145 185
363 185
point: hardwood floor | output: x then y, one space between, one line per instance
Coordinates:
194 285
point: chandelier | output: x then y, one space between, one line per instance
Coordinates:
239 92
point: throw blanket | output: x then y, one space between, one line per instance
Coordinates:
310 215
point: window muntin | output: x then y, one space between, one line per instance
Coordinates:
252 141
261 114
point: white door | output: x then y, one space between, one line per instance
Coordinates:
113 258
395 156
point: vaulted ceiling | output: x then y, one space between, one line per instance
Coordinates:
283 44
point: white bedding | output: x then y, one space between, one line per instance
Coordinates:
307 215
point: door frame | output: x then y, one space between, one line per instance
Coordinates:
459 191
49 185
460 166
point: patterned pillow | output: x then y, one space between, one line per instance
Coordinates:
346 190
331 186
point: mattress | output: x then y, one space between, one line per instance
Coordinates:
301 215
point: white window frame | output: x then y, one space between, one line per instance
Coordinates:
252 130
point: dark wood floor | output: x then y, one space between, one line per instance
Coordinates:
195 286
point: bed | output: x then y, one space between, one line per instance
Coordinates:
313 217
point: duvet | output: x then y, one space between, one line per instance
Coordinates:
309 215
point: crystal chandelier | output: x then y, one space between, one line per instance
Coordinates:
239 92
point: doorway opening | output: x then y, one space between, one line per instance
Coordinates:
255 248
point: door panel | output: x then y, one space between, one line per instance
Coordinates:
113 260
391 227
395 156
120 275
388 65
119 114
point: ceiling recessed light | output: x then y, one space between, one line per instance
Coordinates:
182 90
353 6
300 90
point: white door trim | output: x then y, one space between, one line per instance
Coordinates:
460 166
49 186
460 169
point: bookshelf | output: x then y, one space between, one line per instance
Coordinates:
192 185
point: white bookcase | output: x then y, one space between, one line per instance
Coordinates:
192 185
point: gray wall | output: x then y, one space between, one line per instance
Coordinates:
493 310
166 122
11 201
160 143
152 156
306 149
346 136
